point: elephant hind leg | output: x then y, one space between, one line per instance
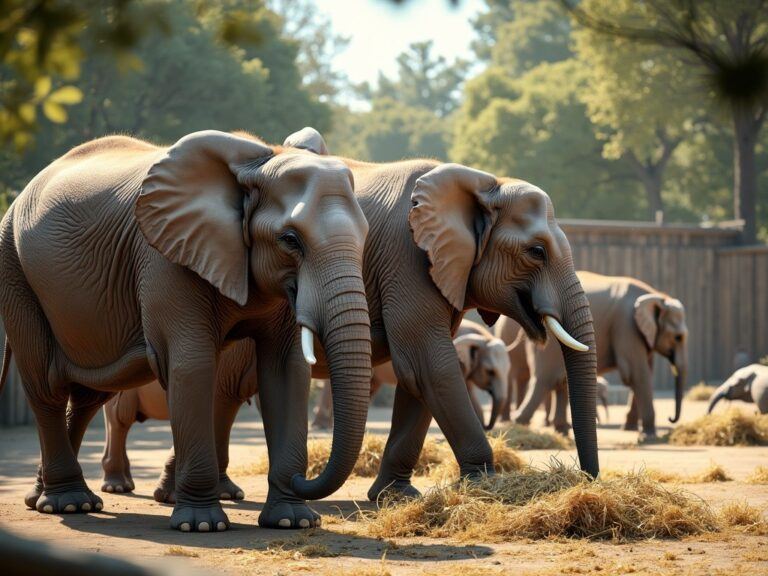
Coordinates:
119 416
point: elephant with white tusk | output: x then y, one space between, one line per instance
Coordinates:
484 363
632 321
748 384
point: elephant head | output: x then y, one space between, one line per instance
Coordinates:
494 244
737 387
266 225
661 321
485 363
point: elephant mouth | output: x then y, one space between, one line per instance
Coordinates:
528 318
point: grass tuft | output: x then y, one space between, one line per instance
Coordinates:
505 459
700 393
524 438
179 551
730 428
744 517
758 476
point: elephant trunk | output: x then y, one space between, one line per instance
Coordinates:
581 370
498 393
681 373
720 393
346 338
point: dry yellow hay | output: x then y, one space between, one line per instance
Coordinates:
555 502
524 438
715 473
730 428
758 476
432 454
744 517
700 393
504 460
179 551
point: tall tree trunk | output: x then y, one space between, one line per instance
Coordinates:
746 128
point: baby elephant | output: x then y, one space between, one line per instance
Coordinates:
236 382
484 363
749 384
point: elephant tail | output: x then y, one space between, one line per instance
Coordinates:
6 364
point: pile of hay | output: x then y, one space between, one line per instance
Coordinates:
701 392
759 475
713 473
524 438
730 428
555 502
505 459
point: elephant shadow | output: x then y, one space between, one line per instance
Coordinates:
249 537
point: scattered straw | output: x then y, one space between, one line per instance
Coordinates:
713 473
525 438
295 548
179 551
758 476
505 459
730 428
555 502
700 393
432 454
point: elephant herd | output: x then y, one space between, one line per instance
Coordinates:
175 282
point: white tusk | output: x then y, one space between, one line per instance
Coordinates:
308 345
559 332
673 368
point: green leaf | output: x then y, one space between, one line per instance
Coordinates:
54 112
66 95
42 87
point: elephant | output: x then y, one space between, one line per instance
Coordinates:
236 383
632 321
484 364
445 238
124 262
749 384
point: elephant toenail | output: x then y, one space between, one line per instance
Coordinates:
184 527
48 508
304 523
70 508
118 488
203 527
318 522
99 506
221 526
86 507
240 495
110 488
224 496
284 523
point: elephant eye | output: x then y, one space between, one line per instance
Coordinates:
290 240
537 252
678 338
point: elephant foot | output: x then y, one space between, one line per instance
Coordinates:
384 489
563 429
117 483
630 426
31 497
228 490
199 518
288 512
165 493
70 500
649 437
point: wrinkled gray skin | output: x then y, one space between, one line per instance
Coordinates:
123 262
484 364
632 321
561 393
749 384
443 239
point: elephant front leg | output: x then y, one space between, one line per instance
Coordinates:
410 423
632 420
225 412
191 377
284 398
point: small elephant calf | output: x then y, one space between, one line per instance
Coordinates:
236 382
749 384
484 363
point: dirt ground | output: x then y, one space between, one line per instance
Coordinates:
136 528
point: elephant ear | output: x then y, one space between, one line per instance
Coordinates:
308 139
647 308
192 209
451 221
466 349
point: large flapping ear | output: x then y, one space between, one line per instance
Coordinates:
647 308
309 139
451 221
191 207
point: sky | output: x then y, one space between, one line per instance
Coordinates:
379 30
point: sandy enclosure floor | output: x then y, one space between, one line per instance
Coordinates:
136 528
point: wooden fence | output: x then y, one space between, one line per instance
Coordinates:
724 287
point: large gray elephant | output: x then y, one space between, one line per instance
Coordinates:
484 364
124 262
632 321
749 384
445 238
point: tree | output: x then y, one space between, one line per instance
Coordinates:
728 41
